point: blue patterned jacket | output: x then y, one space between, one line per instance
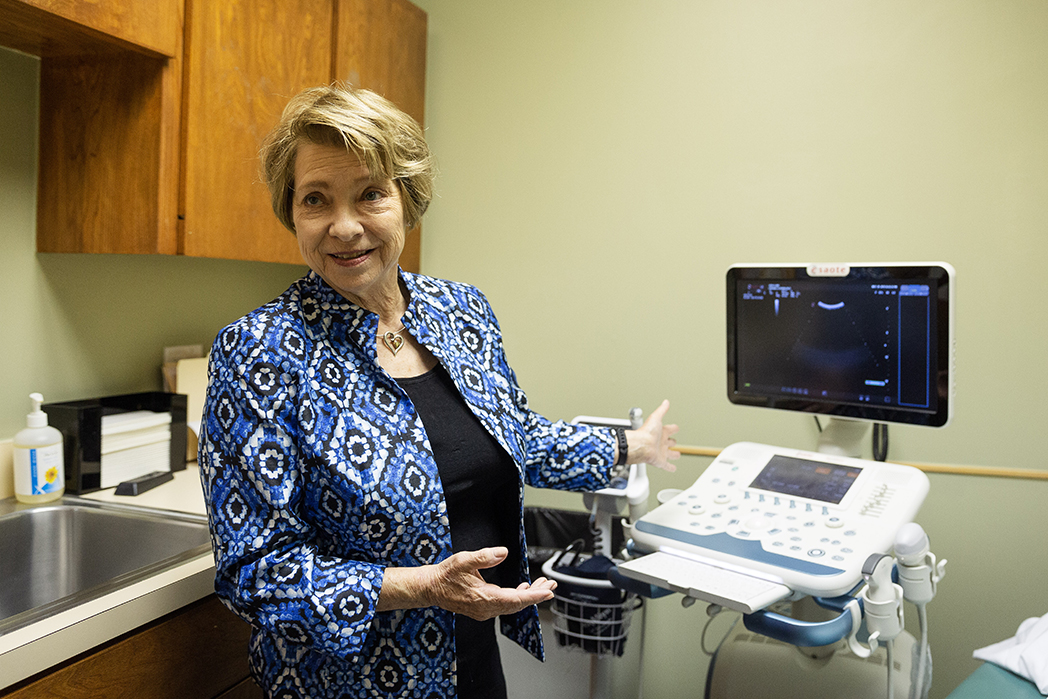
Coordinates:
318 474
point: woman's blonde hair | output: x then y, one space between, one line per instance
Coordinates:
388 141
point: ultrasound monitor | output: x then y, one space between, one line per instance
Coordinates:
858 343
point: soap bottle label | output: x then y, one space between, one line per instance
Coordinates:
42 467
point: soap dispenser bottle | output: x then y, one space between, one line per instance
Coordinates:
39 462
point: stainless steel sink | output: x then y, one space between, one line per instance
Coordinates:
59 555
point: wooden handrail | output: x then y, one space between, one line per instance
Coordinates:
987 471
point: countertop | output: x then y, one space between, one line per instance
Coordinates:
182 494
31 649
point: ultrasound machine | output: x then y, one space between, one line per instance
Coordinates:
816 549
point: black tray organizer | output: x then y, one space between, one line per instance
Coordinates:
589 614
80 422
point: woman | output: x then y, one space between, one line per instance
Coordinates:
365 442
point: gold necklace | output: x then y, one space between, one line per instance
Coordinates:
393 341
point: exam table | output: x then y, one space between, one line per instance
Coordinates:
993 681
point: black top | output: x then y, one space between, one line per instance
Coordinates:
482 493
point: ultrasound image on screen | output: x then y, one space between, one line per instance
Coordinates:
802 478
858 342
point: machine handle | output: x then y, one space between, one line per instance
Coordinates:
796 632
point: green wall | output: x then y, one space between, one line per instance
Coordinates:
81 326
604 161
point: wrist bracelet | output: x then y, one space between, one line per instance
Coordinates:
624 448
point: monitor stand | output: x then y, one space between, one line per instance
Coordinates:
843 437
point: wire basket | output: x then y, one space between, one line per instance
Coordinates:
599 629
589 614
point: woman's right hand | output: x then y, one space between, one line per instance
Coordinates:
455 584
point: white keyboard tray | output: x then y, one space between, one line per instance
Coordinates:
710 583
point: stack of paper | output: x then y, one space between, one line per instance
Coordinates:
134 444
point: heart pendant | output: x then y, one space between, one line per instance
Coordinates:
393 342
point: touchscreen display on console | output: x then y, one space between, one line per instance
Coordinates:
815 480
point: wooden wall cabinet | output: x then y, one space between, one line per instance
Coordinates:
149 143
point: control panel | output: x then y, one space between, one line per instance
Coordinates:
805 520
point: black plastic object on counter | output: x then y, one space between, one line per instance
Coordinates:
137 486
80 422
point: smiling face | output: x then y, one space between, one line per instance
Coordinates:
350 227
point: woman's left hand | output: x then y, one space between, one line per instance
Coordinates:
455 584
653 443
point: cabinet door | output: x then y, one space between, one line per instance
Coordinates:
198 652
245 59
381 45
109 153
